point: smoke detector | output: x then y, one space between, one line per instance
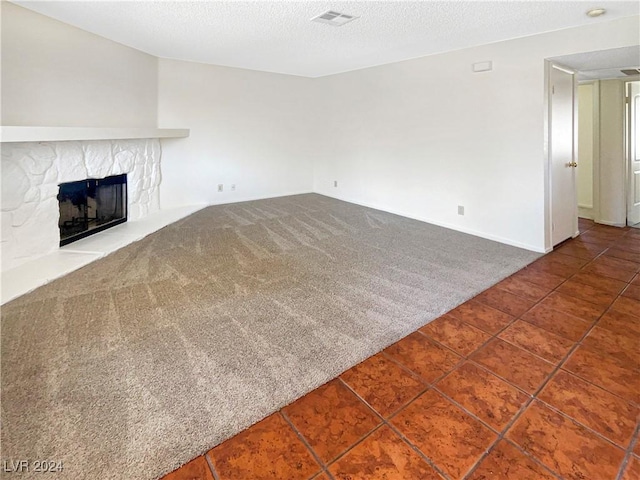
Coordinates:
336 19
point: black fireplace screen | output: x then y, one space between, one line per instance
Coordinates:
89 206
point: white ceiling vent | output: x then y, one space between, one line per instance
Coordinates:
631 71
336 19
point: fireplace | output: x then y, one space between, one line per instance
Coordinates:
90 206
32 173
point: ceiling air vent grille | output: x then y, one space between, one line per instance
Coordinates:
336 19
631 71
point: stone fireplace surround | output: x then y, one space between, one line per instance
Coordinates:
31 172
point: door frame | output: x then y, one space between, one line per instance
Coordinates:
595 146
627 144
548 65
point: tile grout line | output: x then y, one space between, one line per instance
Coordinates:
303 440
534 396
531 397
432 386
502 436
211 466
386 422
566 357
629 452
569 417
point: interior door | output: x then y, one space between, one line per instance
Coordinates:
564 201
633 207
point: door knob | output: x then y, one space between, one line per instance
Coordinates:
572 164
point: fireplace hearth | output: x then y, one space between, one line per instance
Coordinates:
90 206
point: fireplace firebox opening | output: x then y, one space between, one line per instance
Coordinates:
90 206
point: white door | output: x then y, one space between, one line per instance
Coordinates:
564 202
633 207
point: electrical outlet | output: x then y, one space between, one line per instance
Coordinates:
233 187
460 210
220 187
335 183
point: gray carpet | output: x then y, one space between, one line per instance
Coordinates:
149 357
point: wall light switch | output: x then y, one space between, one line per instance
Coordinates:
220 187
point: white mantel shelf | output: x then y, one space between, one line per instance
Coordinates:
61 134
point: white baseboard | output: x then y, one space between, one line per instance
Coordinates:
611 224
585 211
458 228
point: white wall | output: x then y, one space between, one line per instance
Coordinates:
418 137
423 136
54 74
613 207
585 150
248 128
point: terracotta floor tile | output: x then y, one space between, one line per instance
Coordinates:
636 280
629 245
564 446
382 455
601 236
552 267
573 306
618 263
632 470
523 289
451 438
598 268
514 364
592 242
607 372
584 251
632 291
623 346
267 450
484 317
585 224
423 356
383 384
507 462
455 334
623 255
504 301
636 449
538 341
331 419
539 277
492 400
627 305
620 322
587 293
196 469
592 406
558 258
321 476
554 321
608 285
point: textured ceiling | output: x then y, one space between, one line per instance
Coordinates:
279 37
602 64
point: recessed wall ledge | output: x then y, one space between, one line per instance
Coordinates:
11 134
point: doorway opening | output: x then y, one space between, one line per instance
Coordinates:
606 138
